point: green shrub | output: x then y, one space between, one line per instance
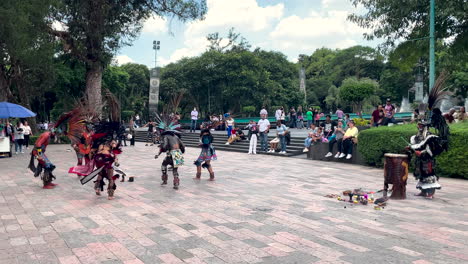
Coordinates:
249 109
63 140
375 142
127 114
453 162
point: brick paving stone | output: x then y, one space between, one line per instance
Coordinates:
260 209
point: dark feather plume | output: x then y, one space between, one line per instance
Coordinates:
438 91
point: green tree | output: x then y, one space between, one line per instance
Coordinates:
354 91
96 29
394 21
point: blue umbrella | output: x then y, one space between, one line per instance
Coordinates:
8 110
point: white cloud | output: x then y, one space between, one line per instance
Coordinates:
246 16
155 25
122 59
241 14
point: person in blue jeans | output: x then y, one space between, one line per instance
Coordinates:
194 118
281 130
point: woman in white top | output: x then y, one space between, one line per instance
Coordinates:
19 137
27 134
229 125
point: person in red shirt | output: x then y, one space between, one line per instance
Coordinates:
376 116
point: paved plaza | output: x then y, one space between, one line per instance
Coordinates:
260 209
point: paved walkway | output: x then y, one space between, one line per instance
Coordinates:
261 209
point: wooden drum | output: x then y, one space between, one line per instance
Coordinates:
396 173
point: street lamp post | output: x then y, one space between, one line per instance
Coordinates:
432 45
156 47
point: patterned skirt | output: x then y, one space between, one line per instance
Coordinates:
207 154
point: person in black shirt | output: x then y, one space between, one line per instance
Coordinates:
150 138
328 127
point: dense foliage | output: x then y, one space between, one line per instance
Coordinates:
375 142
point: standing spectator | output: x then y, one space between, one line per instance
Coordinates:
9 131
339 113
462 115
346 147
264 111
281 130
389 111
253 131
46 125
300 118
19 137
137 120
292 117
263 128
150 135
279 115
194 118
122 134
310 117
229 125
317 115
337 137
328 126
376 116
131 136
27 134
449 117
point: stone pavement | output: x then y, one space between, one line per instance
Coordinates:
261 209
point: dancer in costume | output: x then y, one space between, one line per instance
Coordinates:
427 146
172 145
44 166
105 159
207 154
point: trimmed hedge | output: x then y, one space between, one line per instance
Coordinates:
63 140
375 142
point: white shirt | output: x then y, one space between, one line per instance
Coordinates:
278 114
19 134
194 115
263 112
27 130
230 122
46 126
263 125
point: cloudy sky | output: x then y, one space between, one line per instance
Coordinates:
291 26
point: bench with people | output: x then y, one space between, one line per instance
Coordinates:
320 144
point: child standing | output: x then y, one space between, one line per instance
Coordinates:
253 131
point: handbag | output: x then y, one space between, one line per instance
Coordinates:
129 136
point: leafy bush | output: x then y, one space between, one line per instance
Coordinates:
63 140
453 162
127 114
361 122
375 142
249 110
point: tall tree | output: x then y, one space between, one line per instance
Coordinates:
96 29
394 21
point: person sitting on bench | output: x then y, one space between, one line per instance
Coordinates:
346 146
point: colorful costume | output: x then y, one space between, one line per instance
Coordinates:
427 146
172 145
174 148
207 154
44 166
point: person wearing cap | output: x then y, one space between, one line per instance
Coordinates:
346 145
389 111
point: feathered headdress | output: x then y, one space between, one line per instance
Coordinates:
434 116
167 122
75 122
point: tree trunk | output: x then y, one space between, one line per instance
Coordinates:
5 92
93 86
